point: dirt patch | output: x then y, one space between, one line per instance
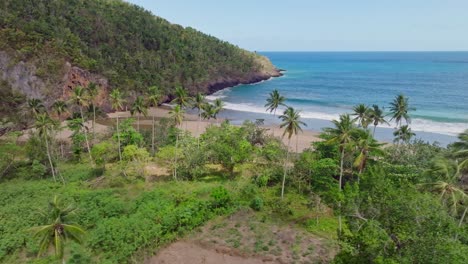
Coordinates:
189 252
243 238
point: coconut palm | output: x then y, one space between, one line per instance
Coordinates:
35 106
154 96
274 101
291 122
403 134
139 106
60 107
117 103
93 91
59 230
361 111
376 116
80 98
448 175
44 126
209 111
198 103
181 97
218 106
461 150
366 147
116 100
399 109
342 134
177 115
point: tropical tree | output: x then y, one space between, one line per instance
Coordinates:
80 98
58 230
399 110
44 126
376 116
154 96
198 103
209 111
461 150
139 106
60 107
274 101
447 185
117 102
181 97
177 115
341 134
366 147
362 113
218 106
35 106
116 99
403 134
291 122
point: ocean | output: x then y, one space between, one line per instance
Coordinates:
324 85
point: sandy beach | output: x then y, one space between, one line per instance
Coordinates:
190 124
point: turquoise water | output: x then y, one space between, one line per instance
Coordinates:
326 84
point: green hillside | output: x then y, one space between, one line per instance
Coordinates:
121 42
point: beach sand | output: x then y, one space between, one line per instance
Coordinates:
190 124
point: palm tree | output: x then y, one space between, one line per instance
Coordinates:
93 91
60 107
45 125
208 111
198 103
403 134
218 106
342 134
154 96
291 122
447 186
116 99
177 114
366 146
399 109
117 103
273 102
59 230
139 106
181 97
361 111
377 117
80 98
35 106
461 150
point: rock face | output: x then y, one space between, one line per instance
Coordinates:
21 77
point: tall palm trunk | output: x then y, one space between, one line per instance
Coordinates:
340 188
285 169
94 123
138 122
198 128
463 217
297 139
274 117
152 139
50 158
118 139
175 155
86 136
373 133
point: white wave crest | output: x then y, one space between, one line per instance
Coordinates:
451 129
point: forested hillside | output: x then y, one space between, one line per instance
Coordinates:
117 45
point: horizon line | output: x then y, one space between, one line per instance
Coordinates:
360 51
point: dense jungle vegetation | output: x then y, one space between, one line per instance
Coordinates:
91 199
123 42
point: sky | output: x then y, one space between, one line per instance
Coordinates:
324 25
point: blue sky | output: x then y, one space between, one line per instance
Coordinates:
324 25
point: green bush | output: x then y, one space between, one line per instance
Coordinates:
256 203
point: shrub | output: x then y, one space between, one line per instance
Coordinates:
256 203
